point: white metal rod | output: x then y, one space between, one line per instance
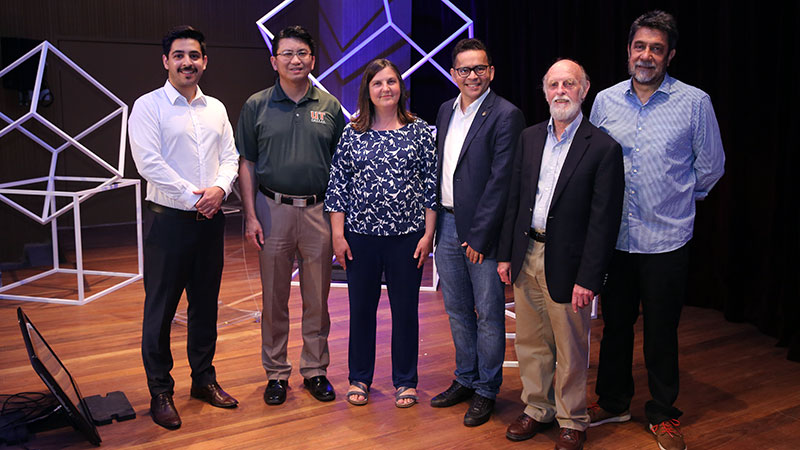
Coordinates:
37 85
76 214
30 279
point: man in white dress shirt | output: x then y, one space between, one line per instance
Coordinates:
182 144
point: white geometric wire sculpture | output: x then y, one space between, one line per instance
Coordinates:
50 211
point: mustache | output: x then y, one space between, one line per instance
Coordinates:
560 97
646 65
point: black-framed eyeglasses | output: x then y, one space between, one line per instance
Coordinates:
289 54
479 70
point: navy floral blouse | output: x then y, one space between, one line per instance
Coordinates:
384 180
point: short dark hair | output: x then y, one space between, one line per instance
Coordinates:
366 110
470 44
183 32
657 20
294 32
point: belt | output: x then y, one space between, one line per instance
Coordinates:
301 201
450 210
167 211
536 236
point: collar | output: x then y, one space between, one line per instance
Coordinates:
279 95
475 105
665 88
569 132
173 95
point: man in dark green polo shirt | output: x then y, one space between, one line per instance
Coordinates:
286 136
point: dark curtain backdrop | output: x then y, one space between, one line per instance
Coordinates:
744 255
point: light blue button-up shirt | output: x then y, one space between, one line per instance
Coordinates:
553 156
673 155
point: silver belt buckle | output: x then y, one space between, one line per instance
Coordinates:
299 202
277 197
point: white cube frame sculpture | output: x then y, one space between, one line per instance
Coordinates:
50 211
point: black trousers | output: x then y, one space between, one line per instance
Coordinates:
394 257
658 282
181 253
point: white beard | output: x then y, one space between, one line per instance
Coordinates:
564 112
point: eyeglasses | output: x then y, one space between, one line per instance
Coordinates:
289 54
479 70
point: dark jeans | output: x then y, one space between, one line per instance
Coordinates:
394 257
181 253
658 281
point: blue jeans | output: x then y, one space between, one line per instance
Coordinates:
474 299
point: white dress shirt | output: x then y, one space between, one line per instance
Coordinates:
180 147
454 141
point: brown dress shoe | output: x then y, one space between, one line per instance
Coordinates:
569 439
163 411
214 395
525 427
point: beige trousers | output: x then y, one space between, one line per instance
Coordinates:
306 233
550 332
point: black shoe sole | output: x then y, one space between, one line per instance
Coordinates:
474 422
169 427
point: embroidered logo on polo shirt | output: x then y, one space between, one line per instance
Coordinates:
318 116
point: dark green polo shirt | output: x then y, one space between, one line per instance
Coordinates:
290 143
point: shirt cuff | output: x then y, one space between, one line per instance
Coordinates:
189 199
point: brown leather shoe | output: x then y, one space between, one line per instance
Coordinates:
525 427
214 395
569 439
163 411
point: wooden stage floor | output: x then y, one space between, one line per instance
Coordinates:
737 389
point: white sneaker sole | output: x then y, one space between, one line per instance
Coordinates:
615 419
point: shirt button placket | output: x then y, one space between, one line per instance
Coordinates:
198 145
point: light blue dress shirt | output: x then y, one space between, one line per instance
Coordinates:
555 152
673 155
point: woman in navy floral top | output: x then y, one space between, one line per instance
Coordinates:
381 198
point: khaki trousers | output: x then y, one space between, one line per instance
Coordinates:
306 233
550 332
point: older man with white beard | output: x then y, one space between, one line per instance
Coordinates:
558 236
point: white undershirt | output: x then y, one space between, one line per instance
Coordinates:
460 122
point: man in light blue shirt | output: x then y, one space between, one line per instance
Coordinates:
673 156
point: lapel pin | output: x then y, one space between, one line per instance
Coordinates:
484 113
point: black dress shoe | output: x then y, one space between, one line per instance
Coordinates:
275 394
320 388
163 411
214 395
455 394
480 409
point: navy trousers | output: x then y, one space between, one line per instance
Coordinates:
394 257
